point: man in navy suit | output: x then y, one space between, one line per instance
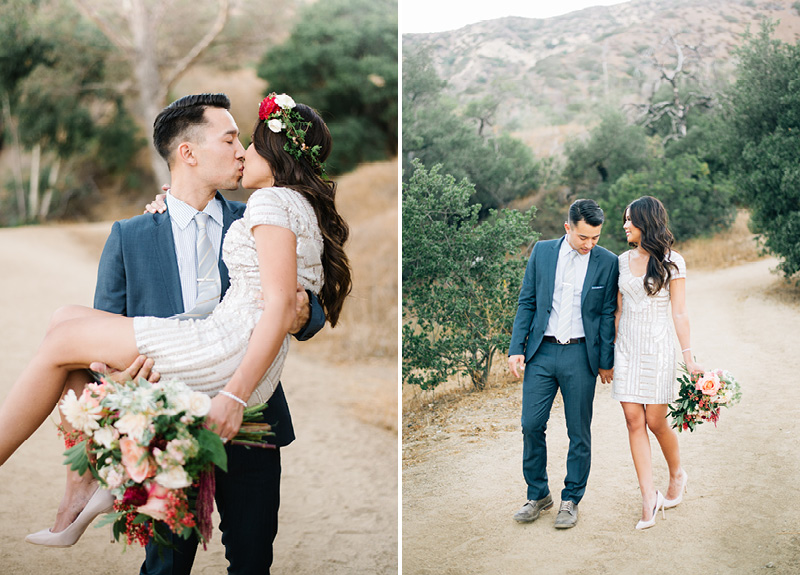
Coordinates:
148 267
564 336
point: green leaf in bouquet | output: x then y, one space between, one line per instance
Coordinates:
110 517
212 445
76 458
140 518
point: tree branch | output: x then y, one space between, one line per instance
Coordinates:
198 49
105 27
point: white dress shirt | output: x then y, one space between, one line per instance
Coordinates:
581 265
184 233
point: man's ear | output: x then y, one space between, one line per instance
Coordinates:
566 227
185 154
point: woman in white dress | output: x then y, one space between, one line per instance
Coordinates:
651 281
290 233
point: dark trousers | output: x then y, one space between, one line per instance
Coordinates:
248 498
555 366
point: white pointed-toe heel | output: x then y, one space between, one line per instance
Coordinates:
669 503
652 521
100 502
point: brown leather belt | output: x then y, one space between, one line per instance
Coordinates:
551 339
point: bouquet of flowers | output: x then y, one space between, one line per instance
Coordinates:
147 444
701 397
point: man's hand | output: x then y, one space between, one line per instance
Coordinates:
607 375
516 363
302 310
142 366
225 417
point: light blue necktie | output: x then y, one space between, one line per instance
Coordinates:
209 285
567 295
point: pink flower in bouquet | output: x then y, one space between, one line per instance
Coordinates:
136 460
157 502
89 400
98 389
708 383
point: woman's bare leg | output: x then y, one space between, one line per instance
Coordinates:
635 419
90 335
79 488
668 440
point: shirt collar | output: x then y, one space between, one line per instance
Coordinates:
566 248
183 214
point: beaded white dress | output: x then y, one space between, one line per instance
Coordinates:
645 362
205 353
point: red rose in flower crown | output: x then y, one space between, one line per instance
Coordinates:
267 108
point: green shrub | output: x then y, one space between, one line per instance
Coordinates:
697 205
461 279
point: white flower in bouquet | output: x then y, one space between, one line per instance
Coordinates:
83 416
174 478
113 475
105 436
284 101
133 425
179 450
193 403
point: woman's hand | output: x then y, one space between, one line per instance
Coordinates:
159 205
225 417
694 367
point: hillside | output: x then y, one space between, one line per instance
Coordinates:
552 74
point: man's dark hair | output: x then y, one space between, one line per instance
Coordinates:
184 114
586 211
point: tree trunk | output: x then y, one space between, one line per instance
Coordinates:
33 194
47 198
148 79
17 162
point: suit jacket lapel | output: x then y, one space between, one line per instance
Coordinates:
551 271
227 220
164 249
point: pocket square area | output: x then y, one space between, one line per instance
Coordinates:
598 287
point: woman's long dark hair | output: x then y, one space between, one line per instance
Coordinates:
302 176
649 215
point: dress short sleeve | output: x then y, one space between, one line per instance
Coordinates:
272 206
678 260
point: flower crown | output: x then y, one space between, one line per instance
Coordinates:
278 112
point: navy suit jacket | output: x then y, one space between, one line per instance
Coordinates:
138 276
598 303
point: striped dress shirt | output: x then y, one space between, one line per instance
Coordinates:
184 233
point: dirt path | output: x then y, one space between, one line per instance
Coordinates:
339 488
742 512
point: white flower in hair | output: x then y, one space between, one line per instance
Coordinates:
284 101
275 125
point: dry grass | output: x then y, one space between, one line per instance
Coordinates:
453 407
732 247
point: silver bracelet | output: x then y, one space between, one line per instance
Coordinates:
685 350
233 397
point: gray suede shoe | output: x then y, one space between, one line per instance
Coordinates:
530 511
567 515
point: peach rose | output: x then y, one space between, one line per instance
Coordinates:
708 383
136 460
157 502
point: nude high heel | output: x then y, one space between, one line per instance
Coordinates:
659 504
669 503
100 502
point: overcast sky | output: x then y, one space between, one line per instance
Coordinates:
440 15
